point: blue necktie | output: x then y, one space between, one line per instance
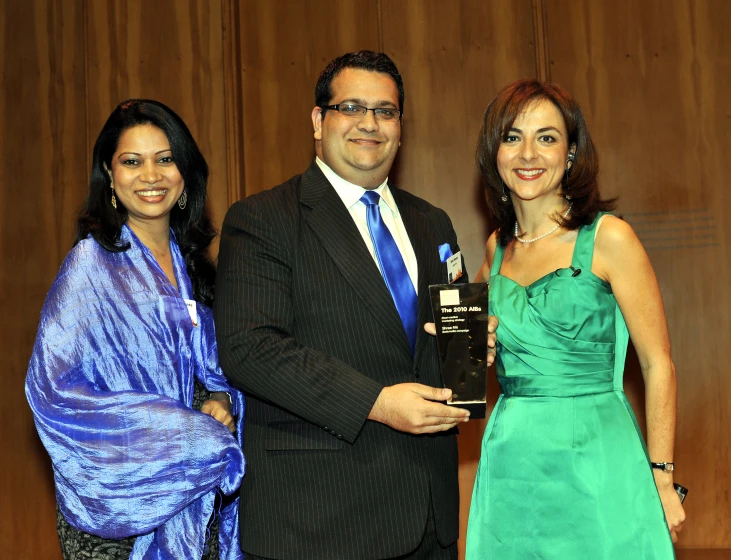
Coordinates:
392 267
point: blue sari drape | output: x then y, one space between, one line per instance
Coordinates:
110 384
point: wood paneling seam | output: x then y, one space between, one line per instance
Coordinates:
380 26
233 101
540 41
86 90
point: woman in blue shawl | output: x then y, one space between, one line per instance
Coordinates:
125 345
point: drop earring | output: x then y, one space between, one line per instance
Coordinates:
183 200
111 186
504 197
569 162
114 198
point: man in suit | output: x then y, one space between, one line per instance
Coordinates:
350 446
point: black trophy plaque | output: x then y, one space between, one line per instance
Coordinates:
460 316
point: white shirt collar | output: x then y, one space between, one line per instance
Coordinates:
350 193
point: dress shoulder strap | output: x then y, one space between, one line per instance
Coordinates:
584 248
497 259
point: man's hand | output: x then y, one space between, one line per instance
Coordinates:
219 407
411 407
492 324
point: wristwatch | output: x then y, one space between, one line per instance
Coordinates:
667 467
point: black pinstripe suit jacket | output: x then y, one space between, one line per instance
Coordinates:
307 328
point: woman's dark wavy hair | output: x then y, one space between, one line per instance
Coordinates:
192 227
580 183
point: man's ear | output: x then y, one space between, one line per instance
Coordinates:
317 122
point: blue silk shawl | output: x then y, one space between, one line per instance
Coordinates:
110 384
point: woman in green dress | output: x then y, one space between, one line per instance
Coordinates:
564 471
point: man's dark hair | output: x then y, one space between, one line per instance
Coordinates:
192 227
363 60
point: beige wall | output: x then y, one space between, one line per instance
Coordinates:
652 77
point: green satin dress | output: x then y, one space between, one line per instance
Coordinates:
564 472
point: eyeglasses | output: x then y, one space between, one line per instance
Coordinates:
352 110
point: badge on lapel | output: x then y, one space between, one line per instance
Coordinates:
454 262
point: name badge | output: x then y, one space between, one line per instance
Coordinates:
190 304
454 267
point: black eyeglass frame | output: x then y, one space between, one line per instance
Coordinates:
365 110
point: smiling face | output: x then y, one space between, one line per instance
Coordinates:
146 180
359 149
532 158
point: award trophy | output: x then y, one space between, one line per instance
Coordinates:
460 316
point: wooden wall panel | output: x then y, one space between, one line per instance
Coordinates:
454 57
166 50
653 79
43 176
284 47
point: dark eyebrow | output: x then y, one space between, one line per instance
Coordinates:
136 154
539 131
549 129
379 104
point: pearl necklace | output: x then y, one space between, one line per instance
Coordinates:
549 232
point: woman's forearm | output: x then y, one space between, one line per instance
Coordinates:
660 409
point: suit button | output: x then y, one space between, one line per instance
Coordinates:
416 373
340 437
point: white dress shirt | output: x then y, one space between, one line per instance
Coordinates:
350 194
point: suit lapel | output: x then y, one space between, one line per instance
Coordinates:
326 214
418 226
